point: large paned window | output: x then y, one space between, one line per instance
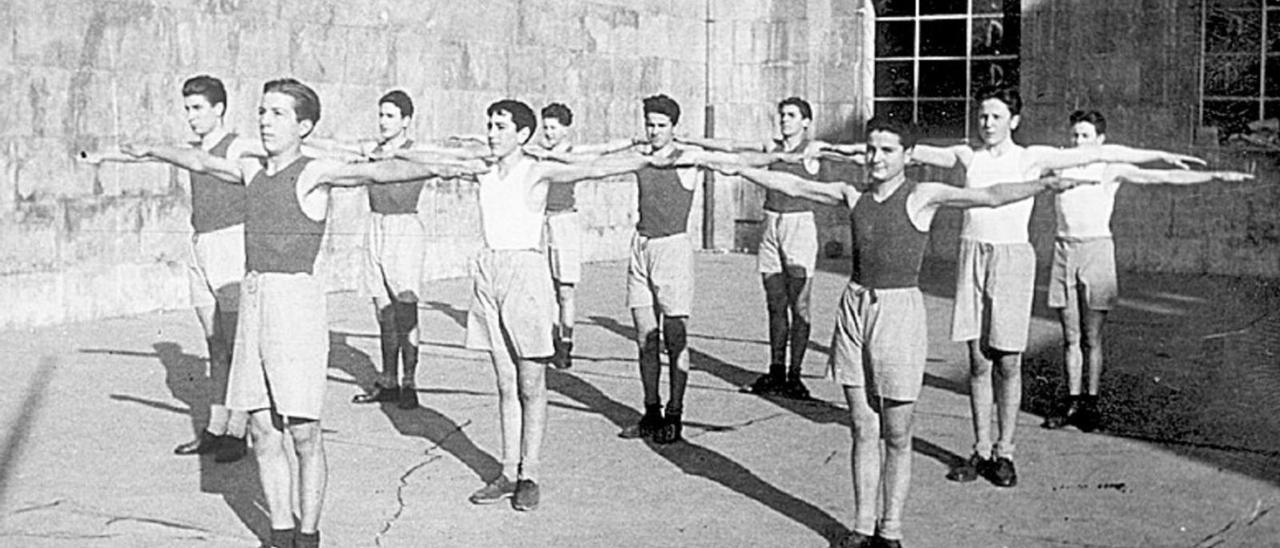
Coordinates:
1240 80
932 55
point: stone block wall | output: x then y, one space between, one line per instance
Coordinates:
78 242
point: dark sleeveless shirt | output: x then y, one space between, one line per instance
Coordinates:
278 236
216 204
664 203
778 202
392 198
887 248
560 197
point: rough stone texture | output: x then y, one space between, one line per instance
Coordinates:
78 242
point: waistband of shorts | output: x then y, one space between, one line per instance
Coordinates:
491 252
254 274
237 228
995 245
668 238
785 214
1079 240
376 215
558 212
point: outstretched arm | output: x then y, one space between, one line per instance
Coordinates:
792 185
617 145
723 145
943 195
102 156
394 171
193 159
1132 174
1047 158
607 166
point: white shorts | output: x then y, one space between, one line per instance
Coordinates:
995 284
216 268
512 303
564 246
1088 265
789 242
394 253
282 346
660 274
880 341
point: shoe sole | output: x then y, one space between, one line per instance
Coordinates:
486 502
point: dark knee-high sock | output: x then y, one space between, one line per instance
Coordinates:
800 325
674 335
390 339
650 368
406 324
775 295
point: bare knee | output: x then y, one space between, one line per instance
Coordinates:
306 436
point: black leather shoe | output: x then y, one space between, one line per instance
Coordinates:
1065 414
1001 472
380 394
970 469
670 431
203 444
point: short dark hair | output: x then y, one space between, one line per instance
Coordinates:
906 131
560 112
1005 94
206 86
1093 117
806 111
401 101
520 113
306 104
661 104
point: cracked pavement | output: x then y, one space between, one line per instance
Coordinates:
90 413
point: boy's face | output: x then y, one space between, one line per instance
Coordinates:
503 136
659 129
995 122
553 132
391 123
1084 134
886 157
791 121
278 123
202 117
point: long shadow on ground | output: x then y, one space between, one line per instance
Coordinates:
187 378
423 422
695 460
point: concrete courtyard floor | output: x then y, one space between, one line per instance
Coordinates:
1189 454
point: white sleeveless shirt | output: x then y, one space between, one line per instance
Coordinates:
511 209
1085 211
1006 224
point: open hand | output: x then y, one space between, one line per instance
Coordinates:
135 150
1234 176
1182 161
1058 183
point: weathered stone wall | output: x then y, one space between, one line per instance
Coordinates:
78 242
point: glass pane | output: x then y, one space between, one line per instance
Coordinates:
1217 4
942 118
895 38
943 7
1271 109
894 79
897 110
1273 31
990 38
895 8
1273 77
994 73
990 6
1230 116
942 79
1232 75
1233 31
945 38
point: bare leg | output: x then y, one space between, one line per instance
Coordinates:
273 466
1008 396
865 459
897 428
532 383
980 398
510 413
1072 357
313 471
1092 345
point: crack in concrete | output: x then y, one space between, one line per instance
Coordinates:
109 519
1220 536
404 482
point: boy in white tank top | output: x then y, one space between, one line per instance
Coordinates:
512 303
1082 283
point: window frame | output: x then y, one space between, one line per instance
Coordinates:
1268 9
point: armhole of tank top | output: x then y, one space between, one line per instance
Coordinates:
911 200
